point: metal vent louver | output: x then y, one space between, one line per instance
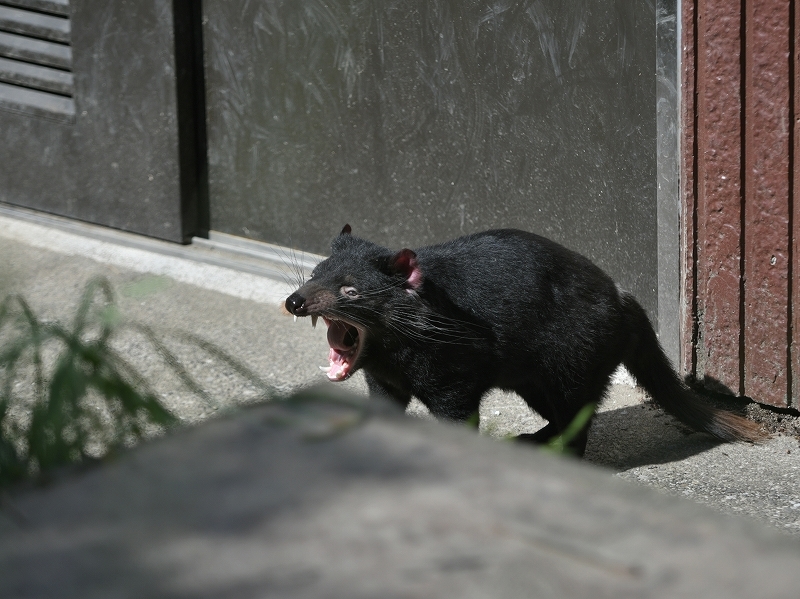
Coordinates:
36 58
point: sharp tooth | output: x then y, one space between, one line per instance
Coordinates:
314 322
325 368
295 317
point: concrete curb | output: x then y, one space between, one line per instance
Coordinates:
305 499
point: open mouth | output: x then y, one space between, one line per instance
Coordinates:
345 341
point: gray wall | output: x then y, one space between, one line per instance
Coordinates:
416 121
108 148
412 120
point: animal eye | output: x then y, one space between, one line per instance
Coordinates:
349 291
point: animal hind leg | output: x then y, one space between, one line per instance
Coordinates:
576 444
560 412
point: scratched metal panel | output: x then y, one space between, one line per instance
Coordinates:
767 188
719 193
418 120
668 180
116 160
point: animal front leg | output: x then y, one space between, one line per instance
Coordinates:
460 405
379 388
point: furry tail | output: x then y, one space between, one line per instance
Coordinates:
646 361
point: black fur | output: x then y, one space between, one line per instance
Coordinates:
504 308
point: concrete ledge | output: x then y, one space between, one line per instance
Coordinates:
329 497
258 263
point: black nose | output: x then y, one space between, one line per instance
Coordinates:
295 304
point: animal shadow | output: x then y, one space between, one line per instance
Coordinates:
641 435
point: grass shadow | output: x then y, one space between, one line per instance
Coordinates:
67 396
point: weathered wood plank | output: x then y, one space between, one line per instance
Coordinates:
766 212
719 193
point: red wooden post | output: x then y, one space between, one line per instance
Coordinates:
719 193
741 255
768 173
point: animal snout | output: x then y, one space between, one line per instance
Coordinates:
296 304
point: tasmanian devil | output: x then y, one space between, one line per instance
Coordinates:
500 309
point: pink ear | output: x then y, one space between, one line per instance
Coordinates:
405 263
346 230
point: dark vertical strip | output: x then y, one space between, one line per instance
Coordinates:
190 89
695 152
199 113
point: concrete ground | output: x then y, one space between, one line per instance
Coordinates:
232 297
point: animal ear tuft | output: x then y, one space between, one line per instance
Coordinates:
342 240
405 263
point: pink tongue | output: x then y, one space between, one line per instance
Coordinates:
337 332
339 367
